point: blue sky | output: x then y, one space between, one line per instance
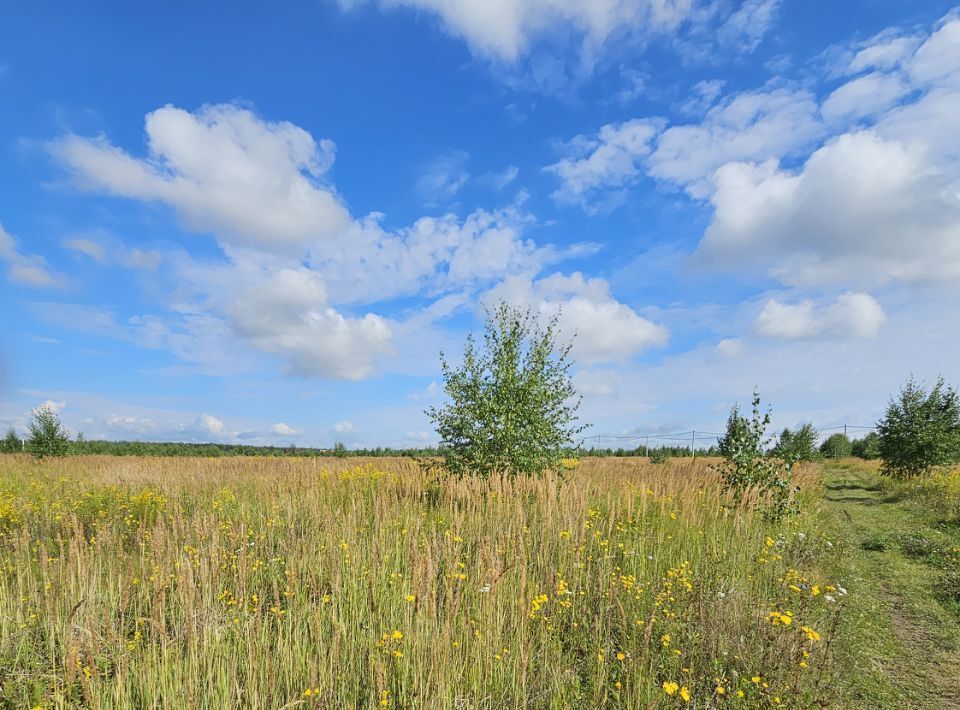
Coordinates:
254 222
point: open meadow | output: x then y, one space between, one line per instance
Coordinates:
268 583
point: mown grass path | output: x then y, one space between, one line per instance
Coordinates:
902 645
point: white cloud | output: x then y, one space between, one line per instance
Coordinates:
937 60
126 425
864 97
853 314
282 429
746 27
441 179
25 269
871 205
603 329
223 170
288 288
211 425
287 314
433 256
344 427
883 52
505 29
862 208
609 160
751 126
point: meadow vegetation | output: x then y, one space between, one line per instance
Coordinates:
151 582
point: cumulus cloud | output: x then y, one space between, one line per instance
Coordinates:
295 262
223 170
288 314
853 314
602 328
282 429
344 427
25 269
750 126
608 160
860 189
877 202
861 208
211 425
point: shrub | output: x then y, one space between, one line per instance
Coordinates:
920 430
47 437
512 405
746 465
868 447
836 446
659 456
11 442
799 445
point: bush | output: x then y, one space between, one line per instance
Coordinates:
868 447
659 456
11 442
836 446
747 467
799 445
47 437
513 405
920 430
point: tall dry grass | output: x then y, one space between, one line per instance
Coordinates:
267 583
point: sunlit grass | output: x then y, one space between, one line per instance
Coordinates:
267 583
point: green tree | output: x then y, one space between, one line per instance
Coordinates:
836 446
340 450
746 466
46 436
737 429
512 407
797 445
920 430
868 447
11 442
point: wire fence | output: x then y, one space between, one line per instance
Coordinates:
689 439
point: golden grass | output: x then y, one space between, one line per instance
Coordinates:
267 583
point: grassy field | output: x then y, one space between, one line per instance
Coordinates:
269 583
